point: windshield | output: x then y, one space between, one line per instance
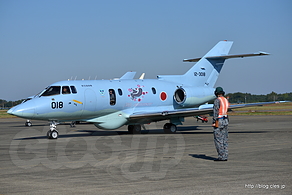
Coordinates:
38 94
26 100
52 90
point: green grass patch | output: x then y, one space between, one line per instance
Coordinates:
261 113
3 114
271 109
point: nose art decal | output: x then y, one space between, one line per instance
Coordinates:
137 94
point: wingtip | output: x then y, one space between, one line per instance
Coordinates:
263 53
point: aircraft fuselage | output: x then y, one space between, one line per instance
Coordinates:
91 100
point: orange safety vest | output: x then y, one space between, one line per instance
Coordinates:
224 104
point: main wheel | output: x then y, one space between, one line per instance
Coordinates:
130 129
169 128
137 129
134 129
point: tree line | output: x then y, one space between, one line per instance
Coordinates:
232 97
249 98
9 104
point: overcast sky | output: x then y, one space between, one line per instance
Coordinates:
42 42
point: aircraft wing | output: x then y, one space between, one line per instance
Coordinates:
153 116
253 104
147 117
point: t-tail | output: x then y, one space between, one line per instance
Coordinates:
207 69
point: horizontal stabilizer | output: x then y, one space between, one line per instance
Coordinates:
228 56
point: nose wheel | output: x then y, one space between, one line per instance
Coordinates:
28 123
53 133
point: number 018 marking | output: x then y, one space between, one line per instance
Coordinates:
56 105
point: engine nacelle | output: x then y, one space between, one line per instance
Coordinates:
193 96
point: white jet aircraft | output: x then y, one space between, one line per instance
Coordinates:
110 104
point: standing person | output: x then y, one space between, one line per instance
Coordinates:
220 124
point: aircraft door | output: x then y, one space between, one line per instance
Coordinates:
90 102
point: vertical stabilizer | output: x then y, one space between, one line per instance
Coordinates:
206 71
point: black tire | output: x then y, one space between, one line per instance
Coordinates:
134 129
28 124
54 134
130 129
169 128
49 134
137 129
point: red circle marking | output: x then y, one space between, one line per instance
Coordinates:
163 96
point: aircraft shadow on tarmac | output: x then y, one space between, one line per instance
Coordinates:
181 130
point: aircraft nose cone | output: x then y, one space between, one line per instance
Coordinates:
15 111
10 111
23 110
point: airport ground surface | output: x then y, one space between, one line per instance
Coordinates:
84 160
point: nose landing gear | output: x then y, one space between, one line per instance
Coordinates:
28 123
53 133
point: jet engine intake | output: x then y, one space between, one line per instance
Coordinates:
180 96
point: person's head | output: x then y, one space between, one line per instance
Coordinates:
219 91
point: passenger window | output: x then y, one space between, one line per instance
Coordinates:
65 90
73 89
153 90
120 92
53 90
112 96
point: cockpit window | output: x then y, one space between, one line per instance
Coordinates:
40 93
27 99
73 89
65 90
53 90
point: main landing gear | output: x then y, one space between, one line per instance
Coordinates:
167 128
53 133
134 129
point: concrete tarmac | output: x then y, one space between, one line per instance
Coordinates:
85 160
